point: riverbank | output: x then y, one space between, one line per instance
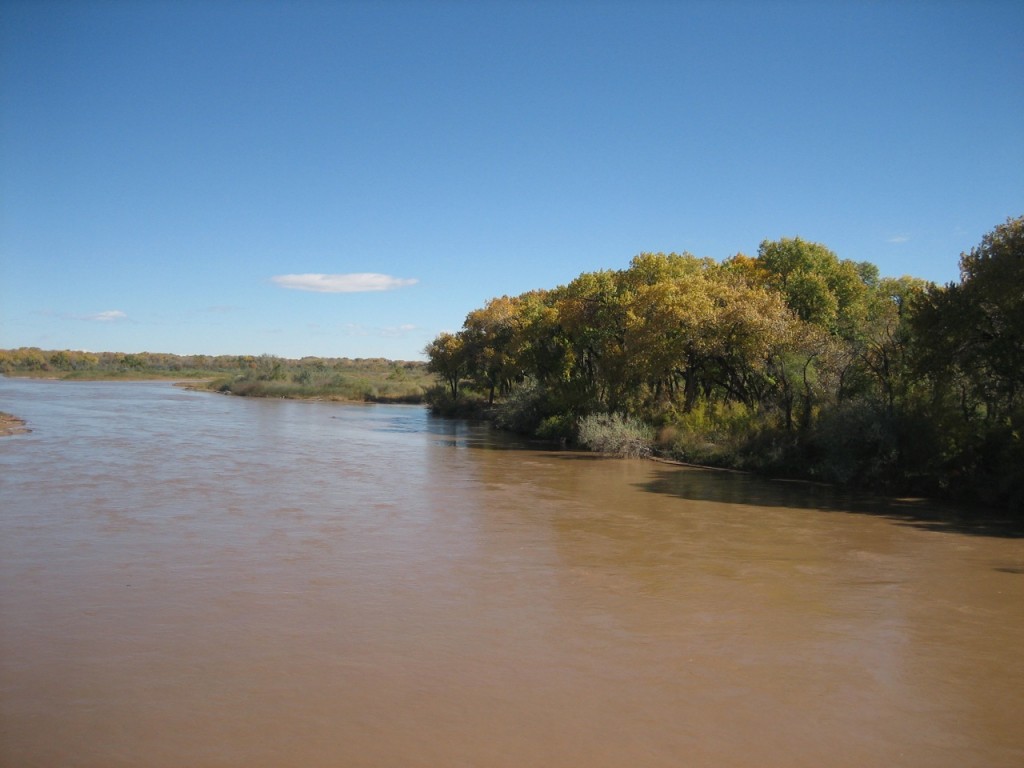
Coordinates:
12 425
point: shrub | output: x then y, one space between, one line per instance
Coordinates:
557 428
617 434
852 443
464 407
522 411
710 433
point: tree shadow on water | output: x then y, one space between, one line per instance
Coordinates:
729 487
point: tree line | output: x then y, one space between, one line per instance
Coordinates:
70 363
793 361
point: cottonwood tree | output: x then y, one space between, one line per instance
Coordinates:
447 357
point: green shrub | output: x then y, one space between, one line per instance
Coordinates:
464 407
711 433
557 428
522 410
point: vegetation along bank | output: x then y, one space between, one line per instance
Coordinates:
793 362
361 379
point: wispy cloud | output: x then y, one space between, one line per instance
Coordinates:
898 239
107 317
357 282
358 329
401 330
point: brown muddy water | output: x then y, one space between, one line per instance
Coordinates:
196 580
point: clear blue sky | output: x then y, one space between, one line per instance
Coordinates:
173 172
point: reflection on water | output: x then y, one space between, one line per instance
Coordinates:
190 579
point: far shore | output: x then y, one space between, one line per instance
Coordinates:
126 376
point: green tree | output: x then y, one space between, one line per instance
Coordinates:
447 357
883 342
819 287
972 333
970 348
992 288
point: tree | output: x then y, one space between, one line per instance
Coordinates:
976 328
992 284
819 287
447 358
970 348
750 328
883 342
490 336
593 320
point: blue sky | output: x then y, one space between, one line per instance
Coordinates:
350 179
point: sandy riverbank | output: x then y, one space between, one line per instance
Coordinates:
12 425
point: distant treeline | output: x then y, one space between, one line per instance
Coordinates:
368 379
794 362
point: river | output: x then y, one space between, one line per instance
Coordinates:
189 579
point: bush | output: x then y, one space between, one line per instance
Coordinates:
711 433
853 443
557 428
522 411
441 403
617 434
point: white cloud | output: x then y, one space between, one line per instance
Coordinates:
357 282
107 317
898 239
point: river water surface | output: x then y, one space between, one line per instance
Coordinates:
189 579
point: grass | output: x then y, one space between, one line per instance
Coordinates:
359 379
385 382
